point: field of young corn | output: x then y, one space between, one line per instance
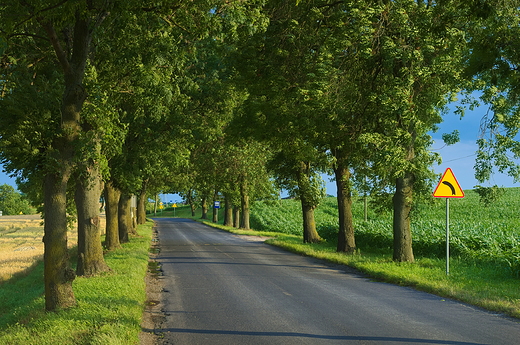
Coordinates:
477 232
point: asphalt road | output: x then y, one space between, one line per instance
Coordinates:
227 289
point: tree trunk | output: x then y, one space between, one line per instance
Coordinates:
228 212
90 250
141 205
244 220
112 196
402 201
236 216
58 275
346 239
310 234
133 215
191 202
124 217
204 208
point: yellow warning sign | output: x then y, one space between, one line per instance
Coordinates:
448 186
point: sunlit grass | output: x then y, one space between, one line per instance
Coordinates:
109 308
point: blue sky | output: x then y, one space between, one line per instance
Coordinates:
459 157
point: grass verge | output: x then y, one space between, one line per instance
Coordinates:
478 283
110 306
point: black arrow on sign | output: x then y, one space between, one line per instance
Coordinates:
451 186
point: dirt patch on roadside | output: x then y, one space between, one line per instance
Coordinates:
153 315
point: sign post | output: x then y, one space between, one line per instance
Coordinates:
448 187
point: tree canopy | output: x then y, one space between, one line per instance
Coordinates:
231 99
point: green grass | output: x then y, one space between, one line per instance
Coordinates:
109 310
485 245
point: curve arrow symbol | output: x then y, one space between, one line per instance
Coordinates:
451 187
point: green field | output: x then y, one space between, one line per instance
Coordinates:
477 232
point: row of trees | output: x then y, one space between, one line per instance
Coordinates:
211 97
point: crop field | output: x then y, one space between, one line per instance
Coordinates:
21 243
477 232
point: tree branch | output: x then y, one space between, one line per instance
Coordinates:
34 14
60 53
29 35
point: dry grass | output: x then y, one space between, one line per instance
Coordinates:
21 243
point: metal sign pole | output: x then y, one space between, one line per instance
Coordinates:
447 236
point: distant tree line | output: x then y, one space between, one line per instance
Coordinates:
13 202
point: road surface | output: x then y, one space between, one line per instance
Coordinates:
222 288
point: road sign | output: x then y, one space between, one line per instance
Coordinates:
174 205
448 186
217 204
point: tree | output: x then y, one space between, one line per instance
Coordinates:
12 202
494 65
419 49
78 23
60 36
275 67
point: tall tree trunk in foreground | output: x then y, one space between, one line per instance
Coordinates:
112 196
346 239
402 202
58 275
90 250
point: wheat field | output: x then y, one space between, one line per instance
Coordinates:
21 243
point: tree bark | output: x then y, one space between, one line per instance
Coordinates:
310 234
402 202
346 239
58 275
90 250
124 217
191 202
141 205
204 208
228 212
236 216
244 220
112 196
